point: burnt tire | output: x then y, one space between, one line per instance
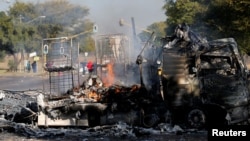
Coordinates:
196 118
150 120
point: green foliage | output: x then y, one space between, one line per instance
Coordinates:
182 11
213 19
12 65
22 12
159 31
26 24
87 44
7 33
2 55
64 19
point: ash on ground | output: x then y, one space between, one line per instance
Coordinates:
119 131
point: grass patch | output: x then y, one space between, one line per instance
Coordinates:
3 71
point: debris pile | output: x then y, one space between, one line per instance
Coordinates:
126 102
133 105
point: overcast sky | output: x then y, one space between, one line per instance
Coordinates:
107 13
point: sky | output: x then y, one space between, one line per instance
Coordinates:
107 13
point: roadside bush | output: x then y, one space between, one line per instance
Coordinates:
12 66
2 55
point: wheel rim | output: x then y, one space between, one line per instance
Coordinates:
196 118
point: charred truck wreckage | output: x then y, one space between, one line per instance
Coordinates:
196 83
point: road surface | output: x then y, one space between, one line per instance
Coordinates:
21 82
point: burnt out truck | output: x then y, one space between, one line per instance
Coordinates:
204 82
200 83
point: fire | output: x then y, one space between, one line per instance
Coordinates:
93 95
110 77
135 88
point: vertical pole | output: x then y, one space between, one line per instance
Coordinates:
71 57
133 26
96 55
78 65
20 18
43 60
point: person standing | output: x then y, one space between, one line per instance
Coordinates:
28 66
34 67
90 67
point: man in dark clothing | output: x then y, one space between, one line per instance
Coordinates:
34 67
28 66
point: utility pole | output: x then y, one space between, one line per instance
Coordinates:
20 18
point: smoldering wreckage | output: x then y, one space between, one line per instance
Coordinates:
189 91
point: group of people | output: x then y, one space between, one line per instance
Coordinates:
32 66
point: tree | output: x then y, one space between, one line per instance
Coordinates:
181 11
9 35
65 19
61 19
159 32
212 19
22 29
6 29
233 21
5 24
16 35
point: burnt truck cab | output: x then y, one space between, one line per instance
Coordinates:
204 83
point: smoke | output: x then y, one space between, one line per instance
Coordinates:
106 13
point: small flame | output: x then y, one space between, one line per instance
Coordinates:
93 95
110 77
